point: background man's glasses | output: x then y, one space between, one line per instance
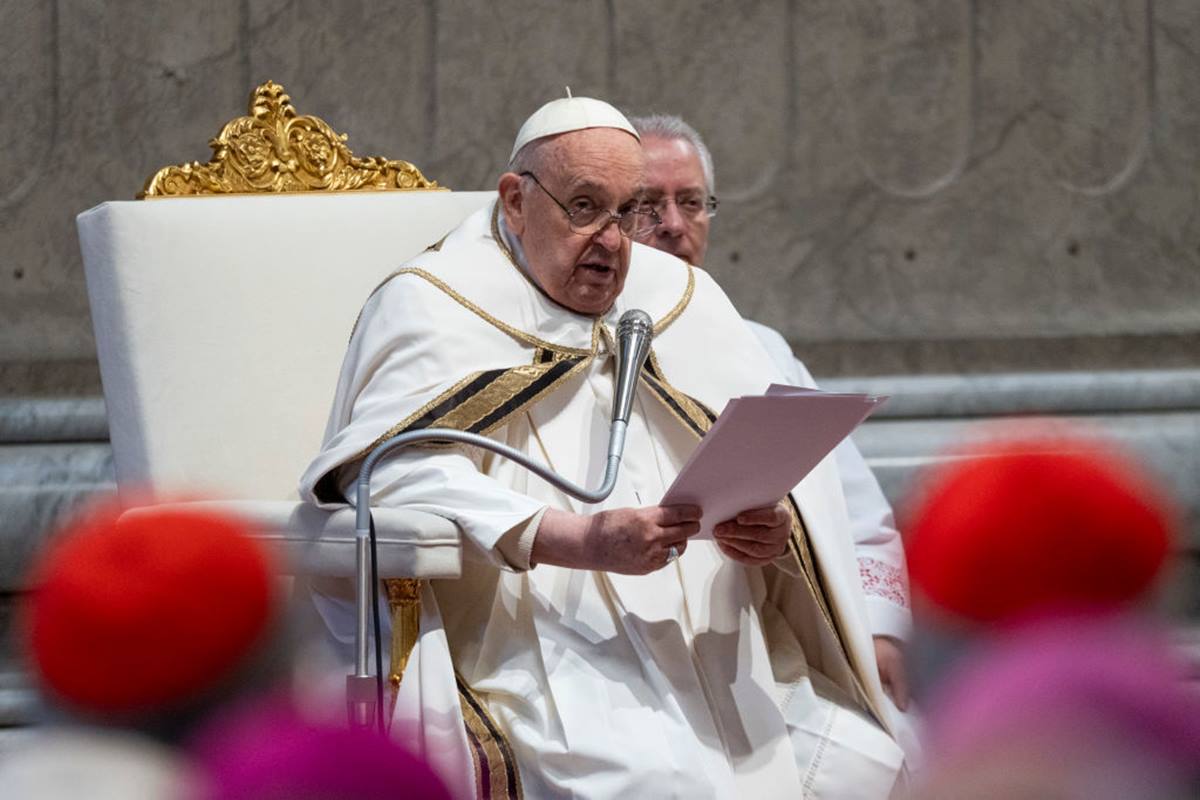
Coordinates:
690 207
589 220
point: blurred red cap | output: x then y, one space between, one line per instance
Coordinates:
142 611
1038 525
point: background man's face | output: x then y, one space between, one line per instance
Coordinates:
674 174
602 166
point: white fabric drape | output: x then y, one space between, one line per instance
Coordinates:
662 685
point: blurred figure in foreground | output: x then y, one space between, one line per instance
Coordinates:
161 629
269 752
68 763
138 627
1071 709
1034 565
151 619
1039 523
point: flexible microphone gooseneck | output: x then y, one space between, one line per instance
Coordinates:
634 332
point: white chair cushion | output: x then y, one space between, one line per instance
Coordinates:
316 542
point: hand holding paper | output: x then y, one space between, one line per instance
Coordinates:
755 537
762 446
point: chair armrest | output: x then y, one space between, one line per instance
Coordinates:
313 541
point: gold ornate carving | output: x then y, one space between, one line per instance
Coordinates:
276 150
404 601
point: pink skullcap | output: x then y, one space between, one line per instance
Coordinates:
270 753
140 612
1036 525
1082 684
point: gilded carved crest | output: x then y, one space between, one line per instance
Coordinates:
276 150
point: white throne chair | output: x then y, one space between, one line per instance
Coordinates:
222 303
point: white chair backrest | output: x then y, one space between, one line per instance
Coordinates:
221 323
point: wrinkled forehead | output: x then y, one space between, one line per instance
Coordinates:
603 159
672 166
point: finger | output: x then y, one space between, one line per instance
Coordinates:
676 515
771 516
754 550
742 558
681 531
733 532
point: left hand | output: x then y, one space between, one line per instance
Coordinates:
755 537
889 656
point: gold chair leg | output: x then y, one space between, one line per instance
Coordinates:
404 601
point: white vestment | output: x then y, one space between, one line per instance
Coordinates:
703 679
877 543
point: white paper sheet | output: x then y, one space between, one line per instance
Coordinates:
762 446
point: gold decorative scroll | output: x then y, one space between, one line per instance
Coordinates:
276 150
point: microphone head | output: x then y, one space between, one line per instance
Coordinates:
632 322
634 332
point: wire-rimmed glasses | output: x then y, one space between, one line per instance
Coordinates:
588 220
691 206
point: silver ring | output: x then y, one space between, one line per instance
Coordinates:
672 554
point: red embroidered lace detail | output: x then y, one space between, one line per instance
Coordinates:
883 580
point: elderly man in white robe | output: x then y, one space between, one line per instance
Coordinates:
680 187
597 651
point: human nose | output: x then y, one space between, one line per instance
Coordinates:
609 237
673 221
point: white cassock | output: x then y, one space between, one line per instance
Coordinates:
877 544
703 679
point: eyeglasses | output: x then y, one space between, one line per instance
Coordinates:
691 207
588 220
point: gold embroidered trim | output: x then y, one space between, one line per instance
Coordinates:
674 313
516 333
654 365
689 412
799 548
497 775
500 391
476 407
802 553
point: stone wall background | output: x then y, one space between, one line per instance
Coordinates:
944 185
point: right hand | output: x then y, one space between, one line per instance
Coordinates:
631 541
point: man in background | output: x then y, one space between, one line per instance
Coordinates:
680 186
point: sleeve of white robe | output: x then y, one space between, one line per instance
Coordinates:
877 543
398 353
497 523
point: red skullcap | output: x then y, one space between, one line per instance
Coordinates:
1036 526
148 610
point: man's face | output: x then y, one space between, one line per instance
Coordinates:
675 181
601 167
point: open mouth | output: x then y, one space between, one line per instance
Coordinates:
599 269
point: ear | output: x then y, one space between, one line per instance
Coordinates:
512 199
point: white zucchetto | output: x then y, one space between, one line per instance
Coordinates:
570 114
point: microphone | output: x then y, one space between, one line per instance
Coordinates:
634 332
